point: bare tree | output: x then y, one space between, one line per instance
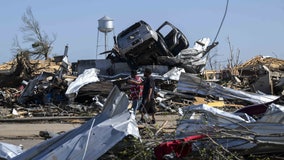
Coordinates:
16 46
40 42
234 58
212 63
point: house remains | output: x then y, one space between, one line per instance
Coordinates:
233 111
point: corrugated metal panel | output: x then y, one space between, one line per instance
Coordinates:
190 83
92 139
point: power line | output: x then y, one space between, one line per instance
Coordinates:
222 21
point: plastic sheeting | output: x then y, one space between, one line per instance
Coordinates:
92 139
88 76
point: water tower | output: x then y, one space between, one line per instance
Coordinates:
105 26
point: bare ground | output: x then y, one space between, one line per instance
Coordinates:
27 133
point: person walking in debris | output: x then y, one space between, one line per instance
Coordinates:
148 102
136 88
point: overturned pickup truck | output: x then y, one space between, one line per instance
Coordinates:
140 45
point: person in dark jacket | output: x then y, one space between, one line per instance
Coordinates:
148 101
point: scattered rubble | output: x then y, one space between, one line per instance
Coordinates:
203 126
101 132
264 74
239 110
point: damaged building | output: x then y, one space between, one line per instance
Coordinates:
191 111
263 74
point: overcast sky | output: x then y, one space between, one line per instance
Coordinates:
255 27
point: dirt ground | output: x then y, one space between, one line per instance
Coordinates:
27 133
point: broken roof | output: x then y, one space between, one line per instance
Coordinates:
270 62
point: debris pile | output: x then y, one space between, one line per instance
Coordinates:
271 63
194 112
263 74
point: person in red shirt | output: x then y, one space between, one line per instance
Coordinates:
136 89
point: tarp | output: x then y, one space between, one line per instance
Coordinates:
92 139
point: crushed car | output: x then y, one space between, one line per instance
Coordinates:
140 45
